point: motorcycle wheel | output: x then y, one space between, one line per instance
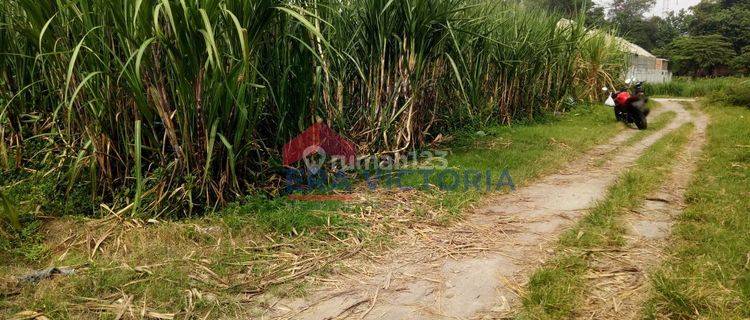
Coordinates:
620 115
639 119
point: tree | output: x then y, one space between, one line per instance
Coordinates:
627 16
671 27
568 8
657 32
623 12
700 55
641 32
728 18
680 21
572 9
741 63
678 35
596 17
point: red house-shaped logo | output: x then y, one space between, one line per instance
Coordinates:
321 139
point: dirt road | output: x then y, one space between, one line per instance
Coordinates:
619 278
475 268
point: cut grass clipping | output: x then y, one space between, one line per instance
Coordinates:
707 275
555 290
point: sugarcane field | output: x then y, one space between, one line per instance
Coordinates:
374 159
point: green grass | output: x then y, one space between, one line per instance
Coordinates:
686 87
729 90
556 289
737 94
707 274
282 215
516 149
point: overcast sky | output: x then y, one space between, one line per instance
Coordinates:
663 6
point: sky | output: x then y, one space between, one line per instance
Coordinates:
662 7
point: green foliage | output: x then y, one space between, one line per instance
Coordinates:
738 94
627 16
735 91
555 289
630 9
717 33
283 216
243 242
26 244
220 86
518 149
686 87
741 63
728 18
706 273
700 55
657 32
567 8
662 35
8 214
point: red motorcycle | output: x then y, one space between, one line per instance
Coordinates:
630 107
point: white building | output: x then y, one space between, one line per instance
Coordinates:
644 66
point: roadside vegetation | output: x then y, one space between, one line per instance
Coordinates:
725 88
556 289
706 273
524 151
140 141
177 107
214 263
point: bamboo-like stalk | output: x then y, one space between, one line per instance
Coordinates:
390 75
138 148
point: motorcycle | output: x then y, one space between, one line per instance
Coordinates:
630 108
